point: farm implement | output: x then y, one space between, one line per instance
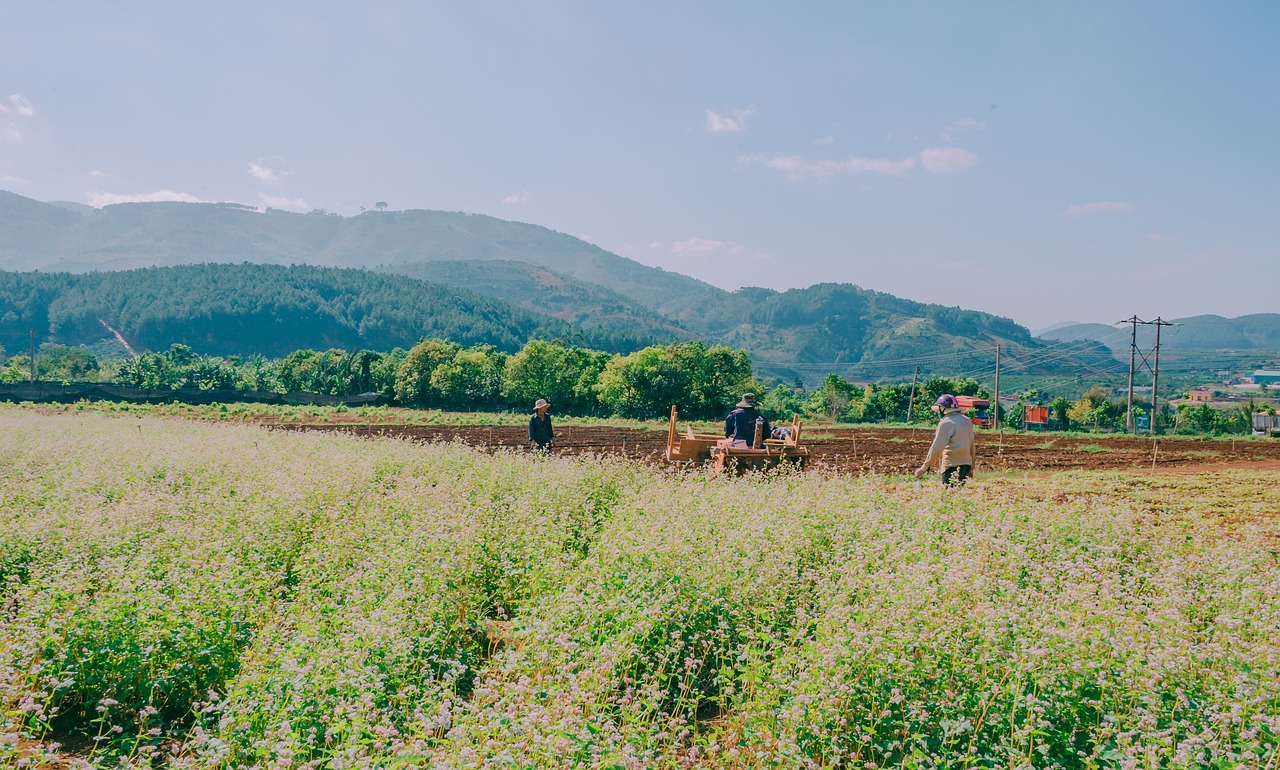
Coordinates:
764 453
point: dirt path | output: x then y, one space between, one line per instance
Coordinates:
882 450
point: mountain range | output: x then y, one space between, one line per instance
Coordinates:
1257 332
566 287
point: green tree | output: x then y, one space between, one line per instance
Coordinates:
782 403
65 364
1058 409
703 383
384 371
149 370
17 370
1094 408
1197 418
882 403
299 371
565 376
837 400
413 378
472 379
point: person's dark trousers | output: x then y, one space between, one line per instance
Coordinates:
956 475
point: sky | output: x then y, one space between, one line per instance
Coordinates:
1047 162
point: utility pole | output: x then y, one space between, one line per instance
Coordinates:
1155 375
996 408
911 401
1135 364
32 332
1133 350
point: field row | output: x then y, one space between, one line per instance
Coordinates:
219 596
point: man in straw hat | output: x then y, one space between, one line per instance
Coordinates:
740 425
953 444
540 433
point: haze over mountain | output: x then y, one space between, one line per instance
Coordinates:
596 295
1256 332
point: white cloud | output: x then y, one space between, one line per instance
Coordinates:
735 122
1098 207
950 132
98 198
22 105
823 140
797 167
266 175
697 248
519 197
289 204
947 160
13 180
97 173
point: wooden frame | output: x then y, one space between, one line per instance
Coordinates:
708 447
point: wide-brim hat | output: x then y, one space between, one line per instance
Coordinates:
748 401
541 403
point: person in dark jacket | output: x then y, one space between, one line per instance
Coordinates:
740 425
540 432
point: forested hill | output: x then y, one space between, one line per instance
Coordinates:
273 310
544 291
557 281
52 237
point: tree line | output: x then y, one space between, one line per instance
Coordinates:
702 381
437 373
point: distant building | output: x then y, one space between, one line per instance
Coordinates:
1267 377
1200 395
1036 417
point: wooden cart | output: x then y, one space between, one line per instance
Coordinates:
716 449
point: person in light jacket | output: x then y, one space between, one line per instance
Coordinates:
953 450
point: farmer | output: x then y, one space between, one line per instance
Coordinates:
953 445
740 424
540 433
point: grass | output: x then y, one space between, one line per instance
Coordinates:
1093 448
221 596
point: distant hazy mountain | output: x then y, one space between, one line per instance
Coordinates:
601 299
1257 332
1053 327
43 236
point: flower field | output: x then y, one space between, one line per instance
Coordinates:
202 595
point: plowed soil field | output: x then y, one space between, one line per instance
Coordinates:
881 450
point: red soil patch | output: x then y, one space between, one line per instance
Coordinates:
880 450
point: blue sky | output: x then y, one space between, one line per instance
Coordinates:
1048 162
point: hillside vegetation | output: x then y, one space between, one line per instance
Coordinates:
800 334
544 291
273 310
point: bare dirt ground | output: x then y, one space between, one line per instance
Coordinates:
880 450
